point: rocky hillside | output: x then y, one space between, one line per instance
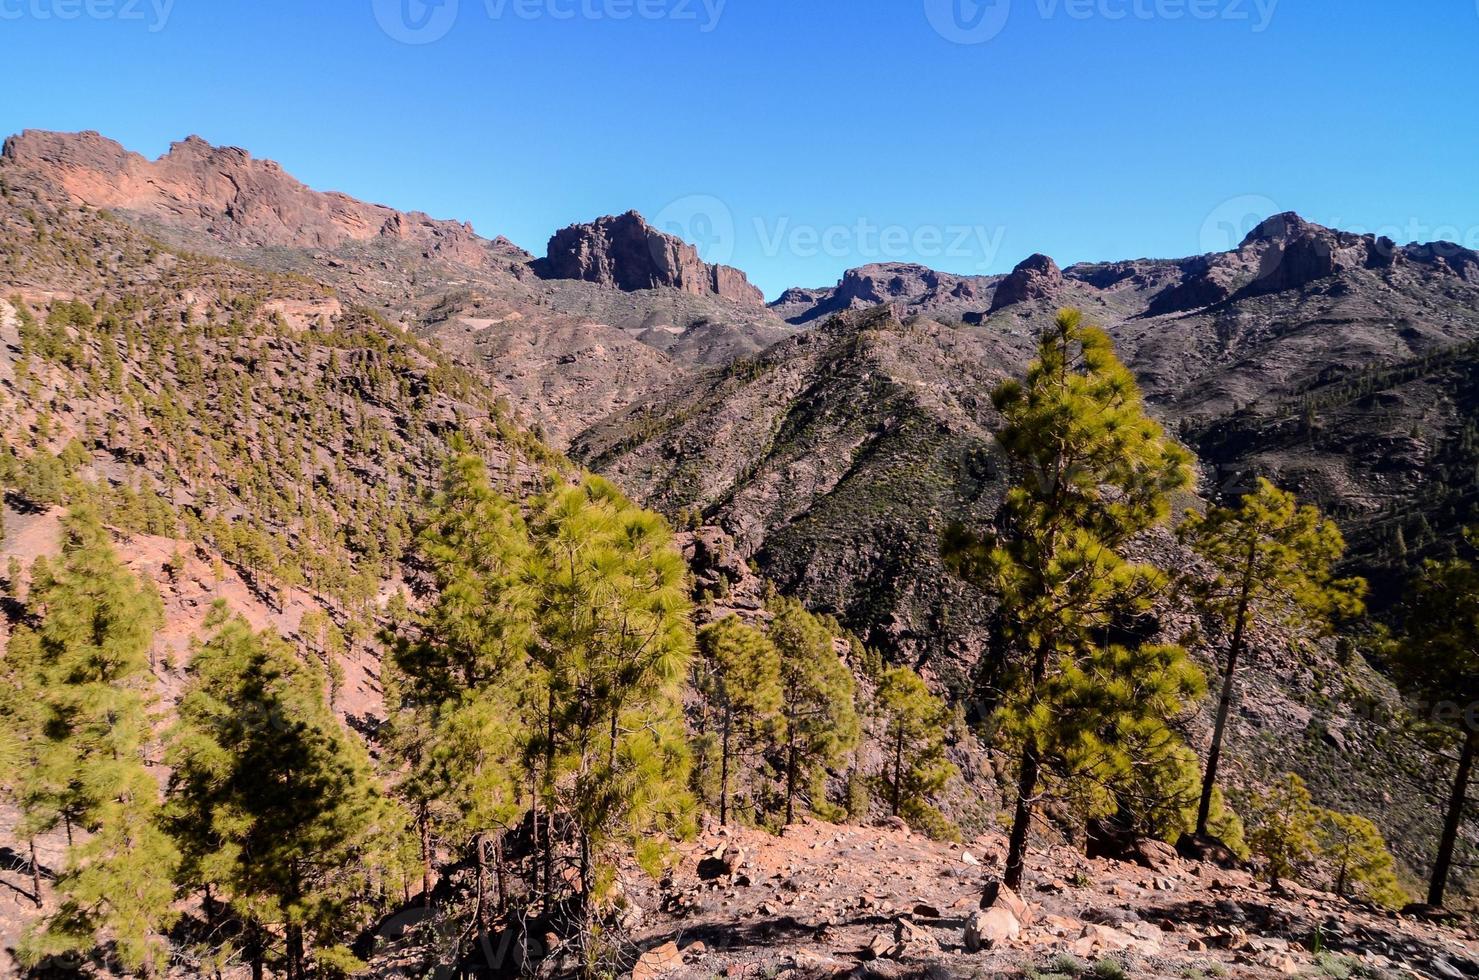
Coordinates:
616 308
841 505
830 901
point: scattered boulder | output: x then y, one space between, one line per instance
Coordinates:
1107 841
1206 849
998 895
657 961
988 928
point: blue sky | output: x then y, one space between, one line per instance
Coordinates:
797 138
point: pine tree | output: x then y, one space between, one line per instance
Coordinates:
76 699
1437 662
1268 555
916 769
1355 848
1281 825
459 723
1093 470
817 693
613 637
741 677
272 803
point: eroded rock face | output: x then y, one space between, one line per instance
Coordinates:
1287 253
1035 277
626 252
230 195
910 287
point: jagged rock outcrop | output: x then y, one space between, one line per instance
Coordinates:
230 195
1035 277
626 252
910 287
1286 253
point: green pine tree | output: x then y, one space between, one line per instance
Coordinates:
1360 858
1437 662
76 699
1093 471
1281 825
463 687
1268 555
612 642
916 769
740 676
273 804
817 695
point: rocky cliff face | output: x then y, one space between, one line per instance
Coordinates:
626 252
229 194
1035 277
909 287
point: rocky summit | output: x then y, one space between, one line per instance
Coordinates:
628 253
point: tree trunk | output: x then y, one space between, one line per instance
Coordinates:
1453 820
499 872
790 781
256 949
423 827
1224 702
549 773
724 772
35 875
294 938
898 766
480 915
1021 819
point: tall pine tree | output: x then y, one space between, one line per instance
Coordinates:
273 804
1437 661
463 687
1269 557
915 767
817 695
76 698
740 676
613 637
1093 470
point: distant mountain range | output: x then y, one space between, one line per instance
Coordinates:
1333 362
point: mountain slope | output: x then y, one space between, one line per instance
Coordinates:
528 318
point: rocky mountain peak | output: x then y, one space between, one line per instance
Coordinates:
626 252
1279 228
1035 277
226 194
